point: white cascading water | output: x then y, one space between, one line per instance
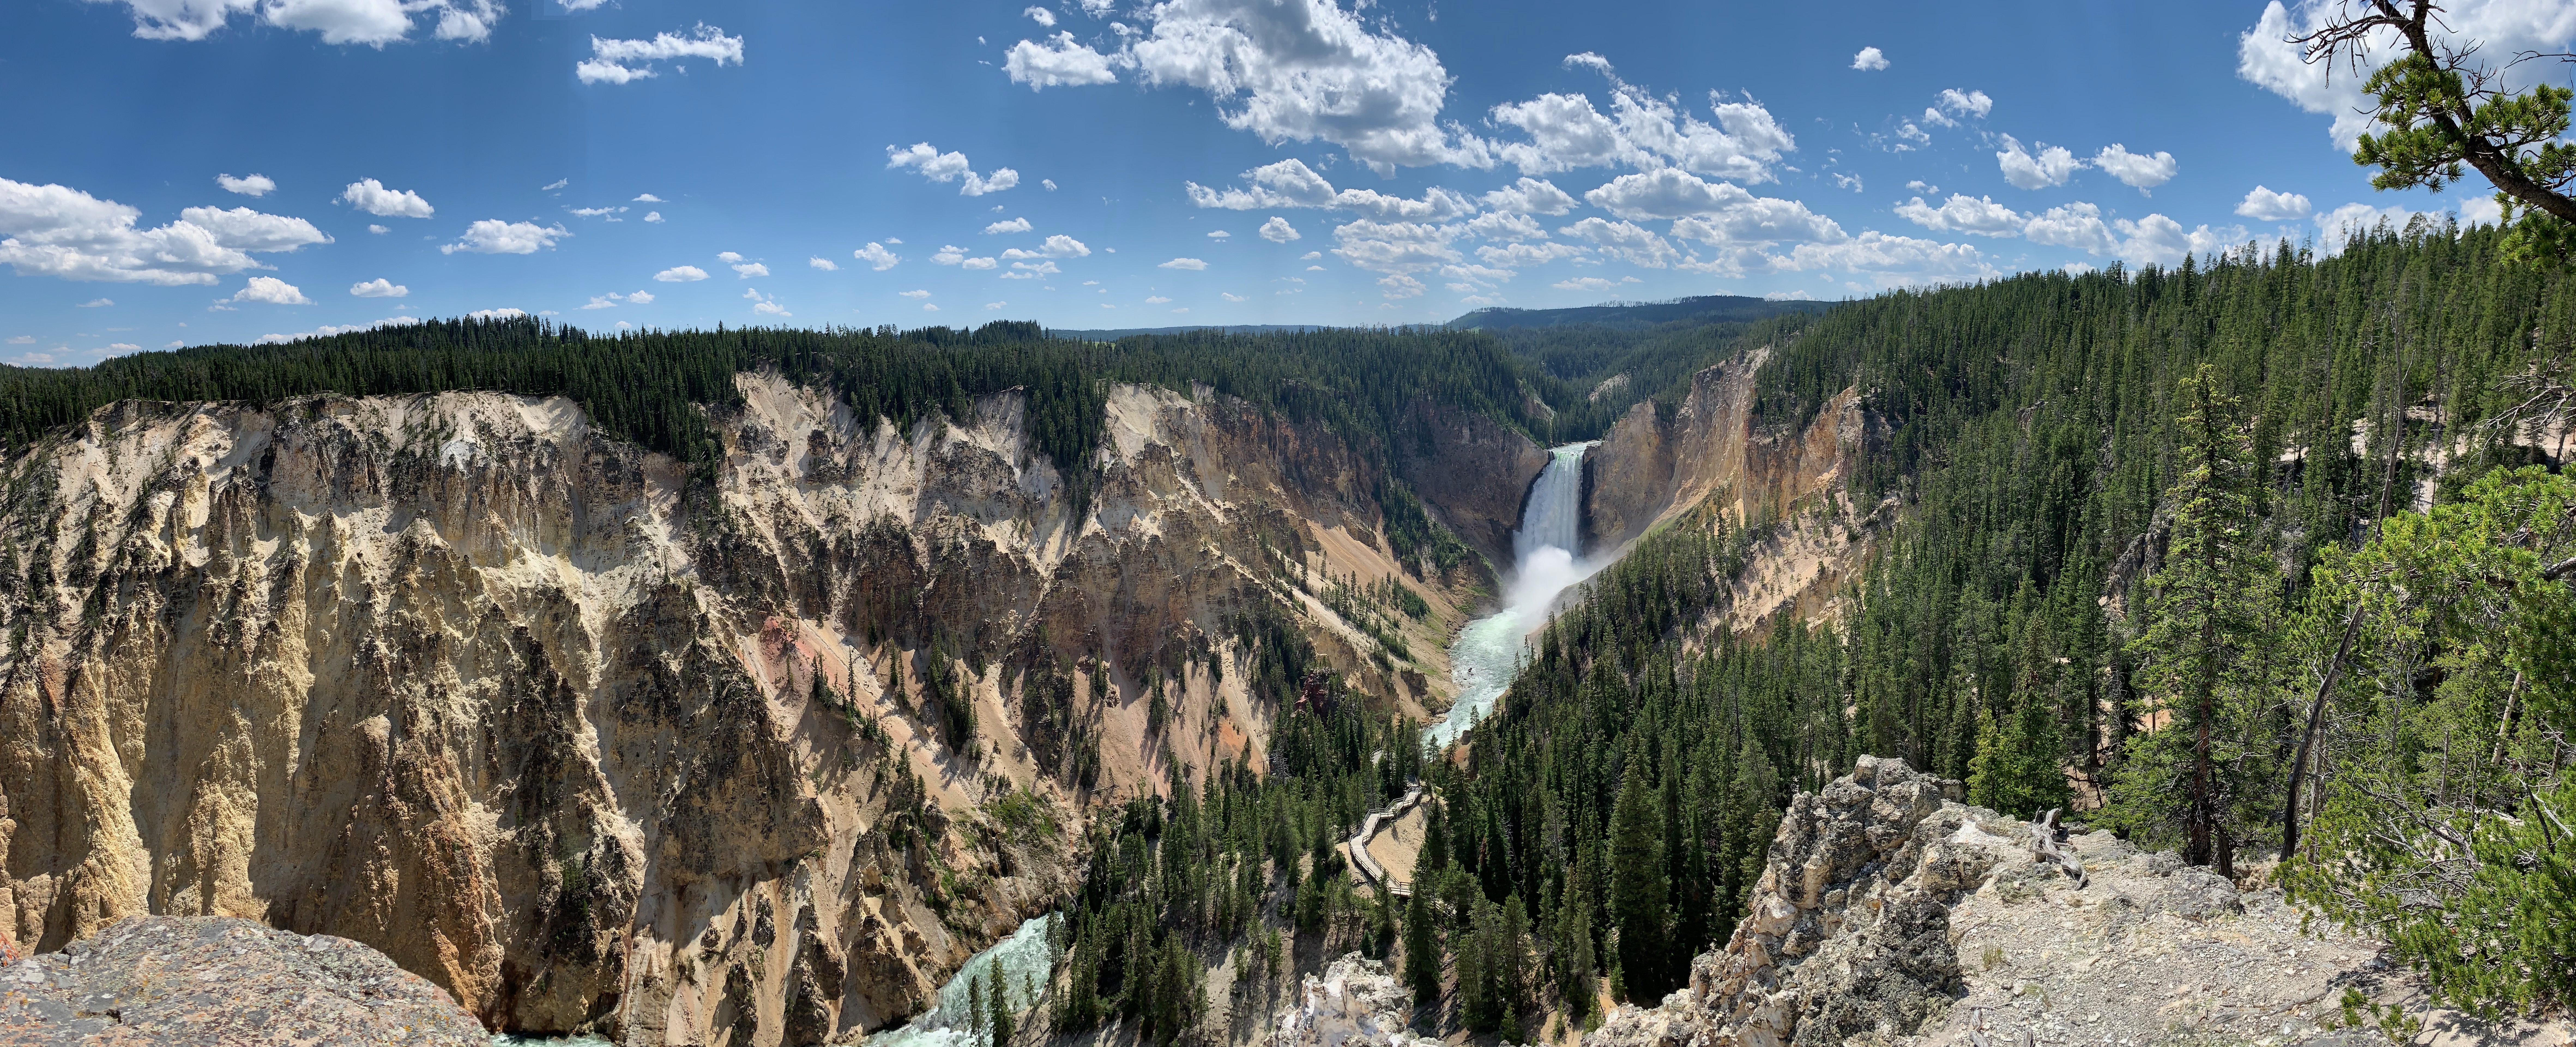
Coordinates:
1488 651
1027 965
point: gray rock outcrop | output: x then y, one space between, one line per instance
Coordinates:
179 982
1354 1002
1848 931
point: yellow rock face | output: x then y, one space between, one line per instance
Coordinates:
590 741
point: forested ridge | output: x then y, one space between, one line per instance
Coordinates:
655 388
2125 500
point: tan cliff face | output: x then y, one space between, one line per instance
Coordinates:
1471 470
1650 469
590 742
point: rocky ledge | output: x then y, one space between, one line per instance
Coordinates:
188 981
1890 913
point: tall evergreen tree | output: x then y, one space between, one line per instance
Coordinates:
1638 894
1002 1022
1421 951
2207 606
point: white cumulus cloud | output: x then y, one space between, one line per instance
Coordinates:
1191 264
271 290
379 288
1285 70
1958 103
54 230
1016 225
626 61
494 236
1396 247
1056 246
2264 205
681 274
877 257
1530 196
1626 240
1977 215
1060 62
372 23
371 196
2138 171
1278 231
248 230
822 263
747 270
1524 255
1870 59
2051 165
949 167
1642 130
1290 183
255 185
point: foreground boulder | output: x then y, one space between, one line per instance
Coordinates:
184 981
1354 1002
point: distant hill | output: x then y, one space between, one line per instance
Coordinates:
1115 333
1717 308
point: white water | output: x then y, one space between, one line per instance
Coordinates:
1027 963
1488 651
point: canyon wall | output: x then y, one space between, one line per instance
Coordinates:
1793 484
595 740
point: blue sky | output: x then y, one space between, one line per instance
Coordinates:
664 163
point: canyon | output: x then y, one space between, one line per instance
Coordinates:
597 741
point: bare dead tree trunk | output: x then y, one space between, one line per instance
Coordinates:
2391 437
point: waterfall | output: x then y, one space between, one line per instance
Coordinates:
1488 651
1553 519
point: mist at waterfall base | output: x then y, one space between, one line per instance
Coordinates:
1489 651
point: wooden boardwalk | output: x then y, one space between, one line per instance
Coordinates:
1364 868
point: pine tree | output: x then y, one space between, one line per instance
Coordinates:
1511 964
2016 769
1637 890
1421 951
1480 1002
1575 976
2207 606
1001 1022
